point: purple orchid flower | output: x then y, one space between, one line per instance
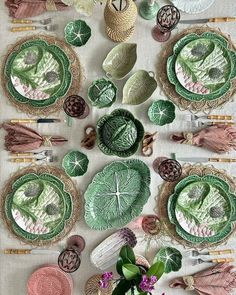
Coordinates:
147 284
104 282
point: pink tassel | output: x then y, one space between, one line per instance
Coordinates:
219 138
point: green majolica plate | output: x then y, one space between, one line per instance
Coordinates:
117 194
38 73
202 66
77 33
203 209
102 93
75 163
38 207
161 112
119 133
171 258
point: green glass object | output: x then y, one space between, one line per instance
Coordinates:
148 9
119 133
77 33
102 93
202 208
117 194
161 112
75 163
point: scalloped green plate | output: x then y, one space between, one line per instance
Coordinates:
161 112
38 207
203 209
75 163
38 73
117 194
77 33
119 133
209 53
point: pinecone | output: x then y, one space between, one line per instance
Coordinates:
75 106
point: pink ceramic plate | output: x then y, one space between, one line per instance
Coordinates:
49 280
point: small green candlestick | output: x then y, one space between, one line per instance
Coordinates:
148 9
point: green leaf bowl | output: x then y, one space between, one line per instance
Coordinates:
77 33
203 209
75 163
119 133
171 258
102 93
161 112
117 195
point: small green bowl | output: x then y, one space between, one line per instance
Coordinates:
161 112
77 33
75 163
102 93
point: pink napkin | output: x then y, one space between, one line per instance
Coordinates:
29 8
218 138
20 138
217 280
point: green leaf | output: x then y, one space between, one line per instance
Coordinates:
157 269
127 254
122 288
119 265
171 258
130 271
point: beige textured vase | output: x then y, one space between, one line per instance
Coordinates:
120 24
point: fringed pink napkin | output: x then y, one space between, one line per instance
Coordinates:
20 138
219 138
29 8
217 280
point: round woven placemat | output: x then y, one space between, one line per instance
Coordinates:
69 187
169 89
92 287
75 69
167 189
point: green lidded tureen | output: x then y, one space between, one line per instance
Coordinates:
119 133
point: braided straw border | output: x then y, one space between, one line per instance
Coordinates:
75 68
167 189
69 187
169 89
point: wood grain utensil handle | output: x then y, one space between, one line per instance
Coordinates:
23 121
222 19
219 117
223 123
22 154
220 260
17 251
222 160
23 160
21 21
220 252
23 29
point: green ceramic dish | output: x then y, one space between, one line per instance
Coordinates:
171 258
38 73
38 207
77 33
161 112
203 209
209 53
139 87
102 93
119 133
117 194
75 163
120 60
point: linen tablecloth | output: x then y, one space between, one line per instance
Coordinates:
15 270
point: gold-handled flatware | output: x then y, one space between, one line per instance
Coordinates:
200 123
48 28
44 22
214 260
31 251
44 153
195 253
205 160
40 120
208 20
49 159
193 117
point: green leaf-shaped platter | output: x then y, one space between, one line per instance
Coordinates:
202 67
77 33
161 112
38 73
203 209
102 93
38 207
171 258
119 133
75 163
117 194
